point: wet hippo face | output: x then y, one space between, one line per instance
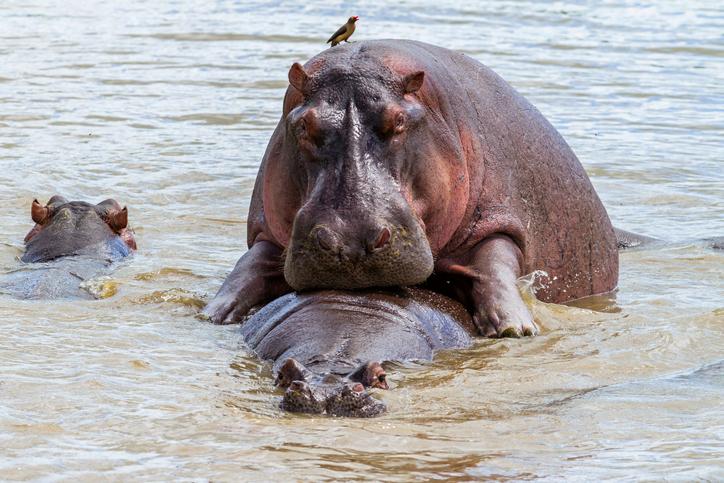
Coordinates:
350 142
329 393
352 400
65 228
344 399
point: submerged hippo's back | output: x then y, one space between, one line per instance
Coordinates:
337 330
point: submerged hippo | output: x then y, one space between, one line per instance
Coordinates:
398 163
328 346
72 241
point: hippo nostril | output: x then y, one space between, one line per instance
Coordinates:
325 239
382 239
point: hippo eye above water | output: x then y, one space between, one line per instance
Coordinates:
399 123
394 121
301 129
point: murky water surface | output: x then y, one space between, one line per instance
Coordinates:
167 106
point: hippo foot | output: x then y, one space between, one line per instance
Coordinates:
501 311
218 309
493 267
513 320
348 400
256 279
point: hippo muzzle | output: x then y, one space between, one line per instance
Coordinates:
389 249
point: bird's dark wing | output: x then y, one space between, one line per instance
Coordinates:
339 32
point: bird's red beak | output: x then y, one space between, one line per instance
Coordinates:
355 18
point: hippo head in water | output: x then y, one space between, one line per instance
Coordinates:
329 393
64 228
351 138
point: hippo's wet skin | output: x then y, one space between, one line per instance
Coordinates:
327 347
394 159
71 241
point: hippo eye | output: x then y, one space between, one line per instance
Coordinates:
301 129
399 123
381 377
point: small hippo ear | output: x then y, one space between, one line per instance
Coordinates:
298 78
39 213
118 219
57 200
413 82
110 205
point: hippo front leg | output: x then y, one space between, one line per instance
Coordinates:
257 278
493 266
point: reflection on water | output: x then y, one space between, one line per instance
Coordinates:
168 106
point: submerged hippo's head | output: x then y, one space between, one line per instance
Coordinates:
345 399
65 228
350 136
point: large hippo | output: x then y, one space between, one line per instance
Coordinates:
327 347
72 241
398 163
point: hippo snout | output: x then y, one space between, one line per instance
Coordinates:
355 250
357 255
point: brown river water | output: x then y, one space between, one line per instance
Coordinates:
167 106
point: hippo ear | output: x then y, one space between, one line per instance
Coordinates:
118 219
413 82
110 205
57 200
298 78
39 213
